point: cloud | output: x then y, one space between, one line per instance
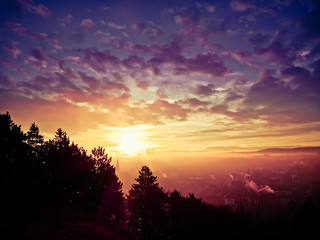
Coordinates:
276 53
242 57
154 30
139 27
143 85
241 5
210 8
65 20
205 90
37 58
15 67
17 28
164 109
29 5
42 10
88 23
247 20
291 98
13 50
288 97
164 55
206 63
104 37
97 61
134 62
6 82
151 29
189 19
194 104
116 26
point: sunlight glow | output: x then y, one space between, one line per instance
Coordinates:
130 143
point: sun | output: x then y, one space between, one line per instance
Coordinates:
130 143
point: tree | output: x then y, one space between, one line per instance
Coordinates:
61 140
16 172
13 156
107 187
102 162
146 202
34 138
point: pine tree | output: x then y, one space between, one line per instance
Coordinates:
33 136
146 204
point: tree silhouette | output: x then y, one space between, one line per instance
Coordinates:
16 171
34 138
108 187
146 202
61 140
13 156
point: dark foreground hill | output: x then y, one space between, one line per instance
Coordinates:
63 224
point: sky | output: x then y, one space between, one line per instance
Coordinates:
164 79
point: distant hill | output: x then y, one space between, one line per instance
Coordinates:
290 150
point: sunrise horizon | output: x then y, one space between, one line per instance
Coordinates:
162 119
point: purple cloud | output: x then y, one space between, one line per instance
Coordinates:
206 63
295 100
241 5
16 68
65 20
40 9
140 27
97 61
134 62
190 20
6 82
88 23
37 58
13 50
277 53
17 28
116 26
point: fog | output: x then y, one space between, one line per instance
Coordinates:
217 175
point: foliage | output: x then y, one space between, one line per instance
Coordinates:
107 184
38 175
33 136
146 203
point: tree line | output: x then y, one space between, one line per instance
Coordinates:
38 175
